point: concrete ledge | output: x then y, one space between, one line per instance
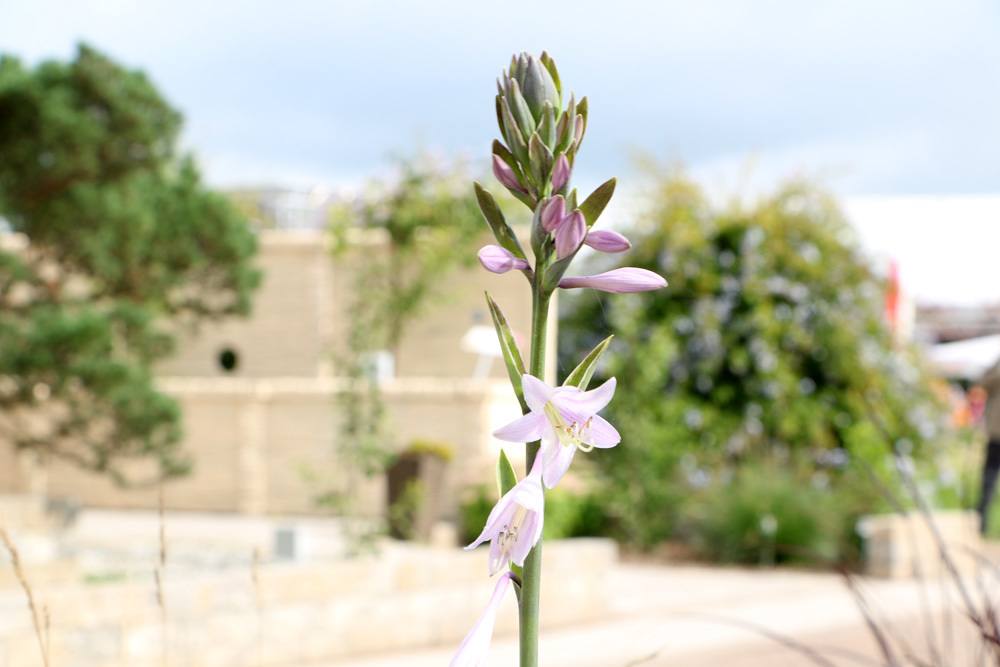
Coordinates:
405 598
903 546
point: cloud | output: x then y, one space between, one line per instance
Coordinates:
899 96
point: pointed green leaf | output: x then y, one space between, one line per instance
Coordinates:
593 205
571 200
503 130
501 230
541 160
511 355
519 108
506 477
551 66
514 137
547 128
581 375
583 108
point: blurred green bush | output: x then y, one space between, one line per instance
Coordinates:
770 346
767 515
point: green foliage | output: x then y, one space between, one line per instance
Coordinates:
121 236
769 342
769 514
412 232
403 512
443 451
567 514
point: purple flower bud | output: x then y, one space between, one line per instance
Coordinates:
570 234
505 174
499 260
560 173
620 281
606 240
553 212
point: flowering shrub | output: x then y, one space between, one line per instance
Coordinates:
772 345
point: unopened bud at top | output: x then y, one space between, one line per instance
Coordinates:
535 82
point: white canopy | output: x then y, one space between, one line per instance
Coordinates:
966 359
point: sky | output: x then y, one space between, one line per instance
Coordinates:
876 99
872 97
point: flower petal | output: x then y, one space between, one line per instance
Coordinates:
528 428
606 240
499 515
527 538
528 493
570 234
499 260
601 433
557 463
496 557
583 404
536 392
619 281
473 649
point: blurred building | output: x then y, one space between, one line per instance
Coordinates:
262 396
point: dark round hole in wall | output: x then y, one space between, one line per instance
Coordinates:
228 360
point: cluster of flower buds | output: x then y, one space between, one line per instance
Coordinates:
541 139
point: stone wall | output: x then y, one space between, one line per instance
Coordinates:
898 546
294 614
300 316
269 446
263 437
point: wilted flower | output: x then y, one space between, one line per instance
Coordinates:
627 279
514 525
566 418
500 260
476 644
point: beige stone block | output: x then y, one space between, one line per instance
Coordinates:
902 546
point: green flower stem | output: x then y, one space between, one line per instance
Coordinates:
531 578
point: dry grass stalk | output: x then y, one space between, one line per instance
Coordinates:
158 576
258 607
41 632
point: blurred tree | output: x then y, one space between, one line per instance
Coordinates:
402 237
115 237
769 343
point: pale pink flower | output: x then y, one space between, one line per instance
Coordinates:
627 279
560 173
505 174
570 234
566 419
500 260
553 212
473 649
514 526
606 240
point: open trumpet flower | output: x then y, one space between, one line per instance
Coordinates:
514 525
566 419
